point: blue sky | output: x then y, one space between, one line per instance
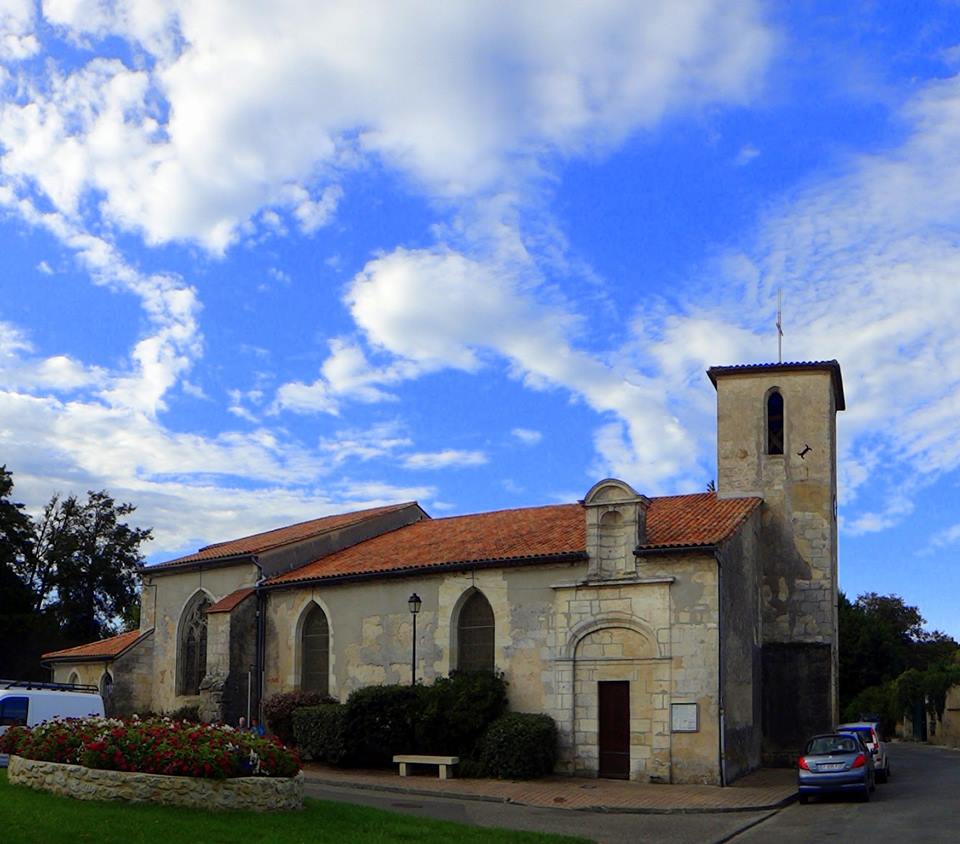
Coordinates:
259 265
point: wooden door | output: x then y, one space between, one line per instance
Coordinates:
614 728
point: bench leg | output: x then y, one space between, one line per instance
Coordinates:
443 772
403 769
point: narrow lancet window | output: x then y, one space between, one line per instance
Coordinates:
475 635
315 668
193 647
775 423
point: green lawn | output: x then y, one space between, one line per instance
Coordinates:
34 816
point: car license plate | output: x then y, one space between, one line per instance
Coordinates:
831 766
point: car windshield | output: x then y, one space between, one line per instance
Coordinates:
832 744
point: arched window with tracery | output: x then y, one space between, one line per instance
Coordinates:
775 423
193 646
475 635
315 649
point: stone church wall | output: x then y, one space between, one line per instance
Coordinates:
170 594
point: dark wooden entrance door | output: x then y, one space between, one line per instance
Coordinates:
614 729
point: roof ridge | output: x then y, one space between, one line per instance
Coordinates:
214 545
502 510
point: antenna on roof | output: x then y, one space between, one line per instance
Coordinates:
779 325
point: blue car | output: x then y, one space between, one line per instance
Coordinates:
835 763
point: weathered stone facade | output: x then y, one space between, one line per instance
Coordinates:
250 794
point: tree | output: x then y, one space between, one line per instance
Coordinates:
15 545
83 564
881 637
31 632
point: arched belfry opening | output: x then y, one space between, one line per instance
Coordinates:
774 422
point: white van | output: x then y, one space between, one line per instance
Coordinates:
25 704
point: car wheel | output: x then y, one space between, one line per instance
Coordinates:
804 799
886 773
882 775
865 795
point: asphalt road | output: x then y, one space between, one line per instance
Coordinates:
921 803
609 828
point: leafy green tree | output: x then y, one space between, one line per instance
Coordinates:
31 632
881 639
83 564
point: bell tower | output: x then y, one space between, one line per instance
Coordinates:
776 439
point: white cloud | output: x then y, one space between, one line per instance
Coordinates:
439 308
449 458
944 538
240 107
17 39
378 441
747 153
527 436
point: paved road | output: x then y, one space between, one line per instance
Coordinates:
921 803
609 828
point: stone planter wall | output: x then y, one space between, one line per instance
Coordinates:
258 794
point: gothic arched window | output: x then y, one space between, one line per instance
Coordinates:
315 649
475 628
775 423
193 646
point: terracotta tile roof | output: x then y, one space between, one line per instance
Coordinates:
525 535
104 649
698 519
830 366
531 533
259 542
227 603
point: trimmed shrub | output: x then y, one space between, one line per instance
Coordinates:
159 746
381 721
320 731
519 745
278 711
458 710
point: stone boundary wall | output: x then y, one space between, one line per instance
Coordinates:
258 794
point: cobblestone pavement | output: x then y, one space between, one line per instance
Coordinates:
765 789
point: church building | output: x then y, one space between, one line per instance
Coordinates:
683 639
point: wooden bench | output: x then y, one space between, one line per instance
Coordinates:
443 762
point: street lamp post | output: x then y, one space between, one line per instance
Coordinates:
414 603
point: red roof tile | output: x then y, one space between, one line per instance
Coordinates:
524 535
259 542
226 604
105 648
698 519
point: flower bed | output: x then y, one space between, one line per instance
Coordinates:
156 746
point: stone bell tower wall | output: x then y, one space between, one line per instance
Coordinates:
798 534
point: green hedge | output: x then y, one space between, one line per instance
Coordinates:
321 732
519 745
381 721
457 710
278 711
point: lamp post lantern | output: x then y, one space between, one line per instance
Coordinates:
414 603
